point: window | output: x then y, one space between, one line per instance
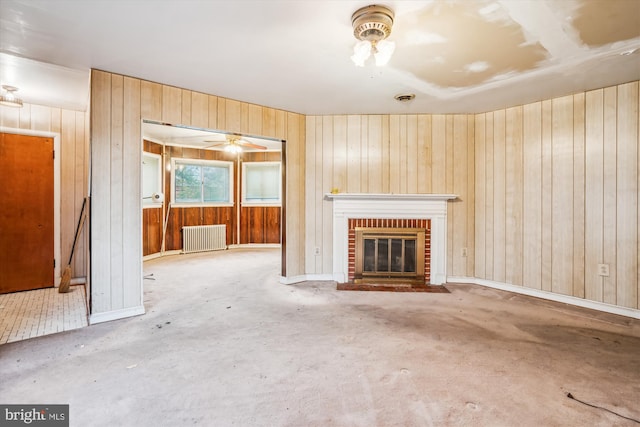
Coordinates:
202 182
151 179
261 184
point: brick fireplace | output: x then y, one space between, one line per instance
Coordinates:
387 212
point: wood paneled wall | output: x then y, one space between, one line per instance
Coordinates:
73 127
390 154
557 194
119 103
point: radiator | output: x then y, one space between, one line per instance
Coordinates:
202 238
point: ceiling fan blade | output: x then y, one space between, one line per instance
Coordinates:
216 145
250 145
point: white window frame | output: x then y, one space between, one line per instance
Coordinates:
146 201
219 163
261 202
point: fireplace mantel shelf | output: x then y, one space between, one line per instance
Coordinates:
389 196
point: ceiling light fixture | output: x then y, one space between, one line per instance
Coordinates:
8 98
372 25
233 148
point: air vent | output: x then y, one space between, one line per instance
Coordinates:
405 98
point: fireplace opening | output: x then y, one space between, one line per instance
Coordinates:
389 254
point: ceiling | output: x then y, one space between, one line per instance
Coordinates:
456 56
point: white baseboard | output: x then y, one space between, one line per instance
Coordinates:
115 314
566 299
306 278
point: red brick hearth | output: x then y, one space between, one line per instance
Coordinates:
389 223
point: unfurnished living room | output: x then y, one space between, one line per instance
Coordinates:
320 213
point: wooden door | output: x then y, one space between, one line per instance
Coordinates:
26 213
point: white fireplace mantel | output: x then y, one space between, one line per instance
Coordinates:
402 206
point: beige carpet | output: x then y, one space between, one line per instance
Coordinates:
224 344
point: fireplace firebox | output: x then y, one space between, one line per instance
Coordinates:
389 255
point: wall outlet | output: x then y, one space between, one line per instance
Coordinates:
317 251
464 252
603 270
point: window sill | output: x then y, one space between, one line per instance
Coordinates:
201 205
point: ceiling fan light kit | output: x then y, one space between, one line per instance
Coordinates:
8 98
371 26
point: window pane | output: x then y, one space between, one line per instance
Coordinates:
262 182
188 183
215 183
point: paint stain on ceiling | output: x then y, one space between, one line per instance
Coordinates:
463 44
601 22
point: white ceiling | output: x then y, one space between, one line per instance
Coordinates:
456 56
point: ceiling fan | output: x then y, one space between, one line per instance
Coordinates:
235 144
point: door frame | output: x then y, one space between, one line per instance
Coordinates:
56 192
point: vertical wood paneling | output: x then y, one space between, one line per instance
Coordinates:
327 185
424 154
100 192
340 153
132 193
412 154
254 118
458 208
438 144
185 103
394 155
171 105
578 194
116 187
489 197
610 158
480 187
471 196
200 110
311 199
547 193
562 195
374 165
532 190
499 206
594 190
514 201
402 166
320 189
627 195
353 142
364 154
151 100
67 180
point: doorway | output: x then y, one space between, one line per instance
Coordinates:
27 219
180 173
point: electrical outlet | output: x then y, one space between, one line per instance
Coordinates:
464 252
603 270
317 251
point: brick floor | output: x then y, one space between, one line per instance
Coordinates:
29 314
